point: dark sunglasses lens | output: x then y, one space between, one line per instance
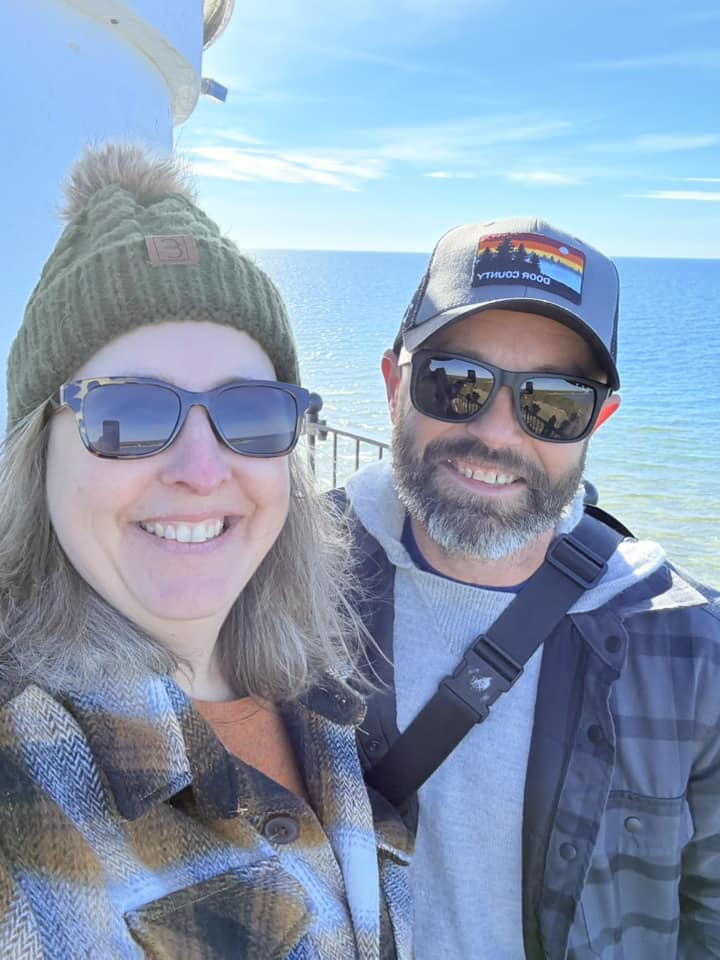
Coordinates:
556 409
129 419
259 421
451 389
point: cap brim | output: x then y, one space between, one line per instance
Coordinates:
414 337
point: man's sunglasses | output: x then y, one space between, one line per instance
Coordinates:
549 406
126 418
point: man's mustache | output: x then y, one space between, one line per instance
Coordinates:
471 448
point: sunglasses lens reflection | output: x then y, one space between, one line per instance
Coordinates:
260 421
455 389
129 419
452 389
556 409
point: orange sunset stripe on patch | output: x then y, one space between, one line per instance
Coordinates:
533 244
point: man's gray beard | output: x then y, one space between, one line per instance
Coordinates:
466 524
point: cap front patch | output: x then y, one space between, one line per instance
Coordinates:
173 250
528 259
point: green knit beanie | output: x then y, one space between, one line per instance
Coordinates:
136 250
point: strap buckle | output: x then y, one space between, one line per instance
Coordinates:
485 672
571 557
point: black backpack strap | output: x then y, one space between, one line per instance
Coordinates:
593 510
574 563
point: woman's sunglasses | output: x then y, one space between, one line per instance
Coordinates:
126 418
554 407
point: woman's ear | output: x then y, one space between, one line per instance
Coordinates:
608 409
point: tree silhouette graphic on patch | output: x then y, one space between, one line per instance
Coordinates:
530 260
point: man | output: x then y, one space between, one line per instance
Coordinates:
582 817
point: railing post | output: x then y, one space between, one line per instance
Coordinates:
313 421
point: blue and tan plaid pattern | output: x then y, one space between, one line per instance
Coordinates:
622 804
127 831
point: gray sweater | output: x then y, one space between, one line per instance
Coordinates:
466 872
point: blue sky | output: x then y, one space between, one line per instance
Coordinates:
377 125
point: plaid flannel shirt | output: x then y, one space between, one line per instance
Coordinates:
128 831
622 804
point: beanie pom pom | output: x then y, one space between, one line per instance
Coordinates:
128 166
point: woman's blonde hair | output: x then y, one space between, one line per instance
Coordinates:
291 624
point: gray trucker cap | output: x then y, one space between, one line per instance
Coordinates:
518 263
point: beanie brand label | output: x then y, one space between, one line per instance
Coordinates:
528 259
173 250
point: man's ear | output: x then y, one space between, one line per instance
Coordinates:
392 374
608 409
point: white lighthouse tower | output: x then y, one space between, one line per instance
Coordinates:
74 71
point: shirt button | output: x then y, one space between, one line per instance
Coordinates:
281 829
373 746
613 644
594 733
568 851
633 824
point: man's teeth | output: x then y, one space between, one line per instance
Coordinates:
186 532
486 476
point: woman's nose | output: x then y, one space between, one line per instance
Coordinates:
196 458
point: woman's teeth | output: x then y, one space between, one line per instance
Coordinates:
186 532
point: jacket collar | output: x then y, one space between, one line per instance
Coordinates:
665 589
335 700
150 744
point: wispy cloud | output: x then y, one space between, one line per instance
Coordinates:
464 142
284 36
543 178
696 195
247 94
457 150
655 143
668 142
695 179
446 175
230 163
202 134
679 58
357 54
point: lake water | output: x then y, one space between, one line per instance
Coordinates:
655 463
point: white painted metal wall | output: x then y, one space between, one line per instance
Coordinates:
73 71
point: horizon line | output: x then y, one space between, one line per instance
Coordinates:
427 253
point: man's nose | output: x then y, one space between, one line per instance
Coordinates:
497 425
196 458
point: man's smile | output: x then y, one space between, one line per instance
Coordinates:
489 475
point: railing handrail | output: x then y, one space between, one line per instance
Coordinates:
317 429
323 427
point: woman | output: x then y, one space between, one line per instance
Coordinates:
177 756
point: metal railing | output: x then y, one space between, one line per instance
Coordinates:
318 430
